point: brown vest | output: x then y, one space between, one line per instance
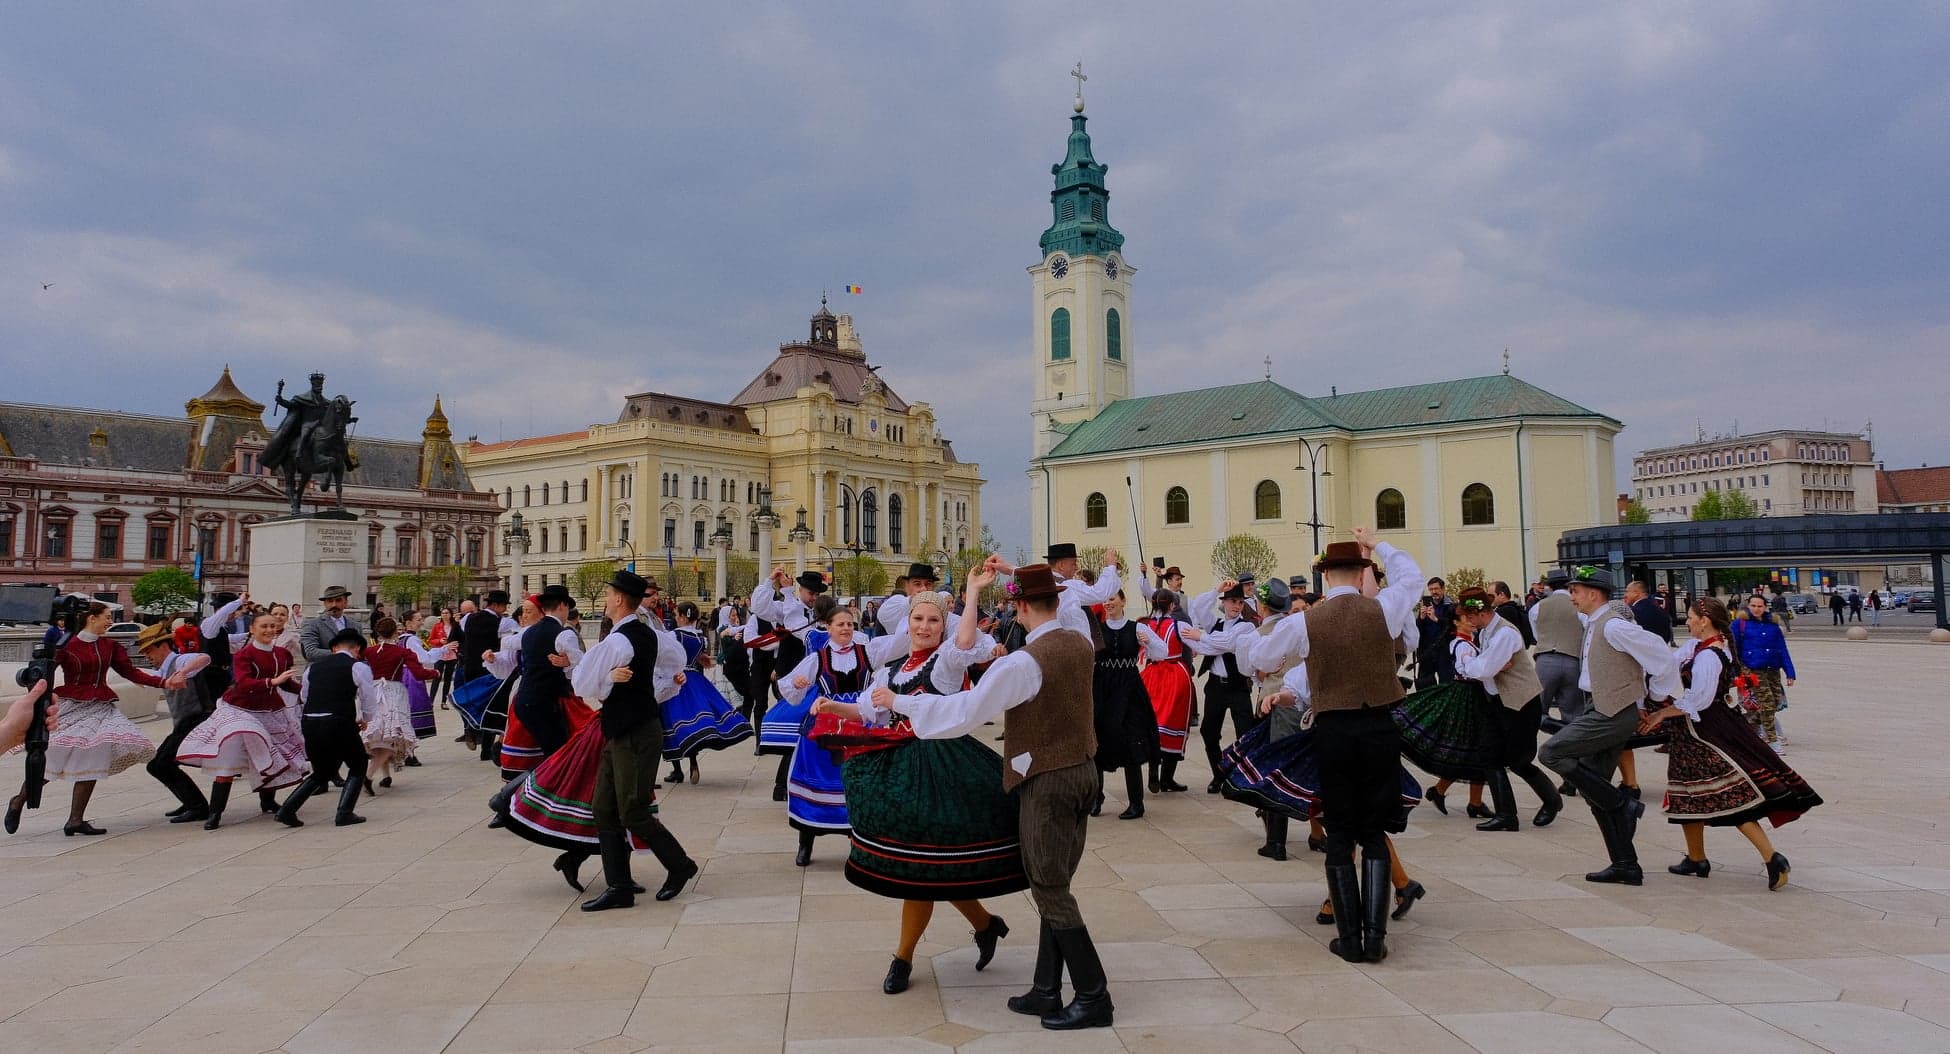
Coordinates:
1351 654
1517 683
1056 728
1617 679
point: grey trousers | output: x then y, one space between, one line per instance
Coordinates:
1052 811
1559 674
1586 750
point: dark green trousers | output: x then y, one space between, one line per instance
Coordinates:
626 781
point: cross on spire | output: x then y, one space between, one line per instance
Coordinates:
1506 362
1079 75
1269 367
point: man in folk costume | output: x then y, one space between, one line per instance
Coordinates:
336 695
631 672
189 703
892 613
1042 694
1077 595
316 636
1560 640
548 650
1227 647
1496 659
792 621
1349 642
480 633
1621 663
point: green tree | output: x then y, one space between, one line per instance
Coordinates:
860 576
741 575
164 591
586 582
403 588
445 585
1240 554
1463 578
1736 505
1709 507
1636 512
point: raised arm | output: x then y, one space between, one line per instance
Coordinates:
119 661
1103 589
1155 648
215 622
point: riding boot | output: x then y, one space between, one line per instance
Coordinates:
1151 774
355 785
778 782
680 867
267 802
804 857
1546 792
1045 995
1505 800
195 808
1624 867
288 812
1133 793
1168 777
1275 847
1344 892
1091 1008
615 848
219 798
1377 899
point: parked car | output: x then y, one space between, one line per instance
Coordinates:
1922 601
124 632
1802 603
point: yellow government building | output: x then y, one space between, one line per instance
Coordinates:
1482 472
817 455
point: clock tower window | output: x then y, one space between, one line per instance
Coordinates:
1113 336
1059 334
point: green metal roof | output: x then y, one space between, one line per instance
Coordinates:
1080 203
1244 411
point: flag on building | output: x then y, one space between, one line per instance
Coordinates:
854 289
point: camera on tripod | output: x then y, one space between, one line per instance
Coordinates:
40 605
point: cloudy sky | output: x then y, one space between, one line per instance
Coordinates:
1678 214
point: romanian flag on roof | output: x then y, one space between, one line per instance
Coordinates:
854 289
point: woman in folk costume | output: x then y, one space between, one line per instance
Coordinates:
95 738
1449 731
557 647
388 734
838 668
697 718
783 726
930 822
1719 771
1169 684
1127 726
254 732
1492 653
421 690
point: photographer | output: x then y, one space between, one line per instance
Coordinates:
19 715
97 739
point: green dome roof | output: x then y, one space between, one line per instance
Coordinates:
1080 204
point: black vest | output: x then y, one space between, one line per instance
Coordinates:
541 680
216 677
1224 667
329 687
479 632
634 701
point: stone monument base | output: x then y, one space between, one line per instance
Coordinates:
293 560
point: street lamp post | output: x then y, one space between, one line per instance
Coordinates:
1314 473
800 536
625 545
516 537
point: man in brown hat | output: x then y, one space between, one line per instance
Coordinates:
316 637
1043 696
1076 594
189 703
1352 675
631 672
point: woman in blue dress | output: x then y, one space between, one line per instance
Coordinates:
836 668
697 718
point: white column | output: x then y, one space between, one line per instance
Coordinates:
724 555
819 507
921 503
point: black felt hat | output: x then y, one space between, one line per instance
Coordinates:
630 584
1061 551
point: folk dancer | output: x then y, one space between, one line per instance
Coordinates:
1620 664
388 730
838 669
792 622
480 633
339 699
1043 696
697 718
1348 641
1169 683
1228 684
254 730
1127 725
185 691
630 672
1495 657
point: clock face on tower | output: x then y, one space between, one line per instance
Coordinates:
1059 266
1110 268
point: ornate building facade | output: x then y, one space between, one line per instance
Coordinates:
1483 472
675 483
91 500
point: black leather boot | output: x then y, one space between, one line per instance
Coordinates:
267 802
1377 899
355 785
804 857
1624 867
1045 995
1344 893
986 939
195 807
1168 778
1505 801
1133 794
615 849
679 866
288 812
1092 1006
1275 847
1541 786
1151 772
219 798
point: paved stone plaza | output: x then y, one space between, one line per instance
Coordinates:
424 931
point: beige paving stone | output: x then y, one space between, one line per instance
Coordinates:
85 1036
1884 976
1458 991
510 1027
820 970
1269 956
1349 993
595 979
219 1031
1212 1039
312 991
1538 1033
1092 1041
1649 944
1534 947
429 1026
151 996
1723 1028
863 1013
742 909
1180 898
1746 981
731 974
1607 984
1227 922
1849 1028
1377 1035
406 988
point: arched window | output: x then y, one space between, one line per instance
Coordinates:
1096 512
1178 506
1390 511
894 533
869 521
1113 335
1266 500
525 495
508 496
1478 505
585 490
545 494
1059 333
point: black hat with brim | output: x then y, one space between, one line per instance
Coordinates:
555 596
812 582
629 583
496 596
348 636
1061 551
923 572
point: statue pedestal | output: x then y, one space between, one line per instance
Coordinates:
294 560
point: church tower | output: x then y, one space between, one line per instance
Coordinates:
1080 296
